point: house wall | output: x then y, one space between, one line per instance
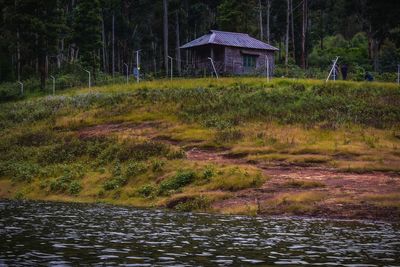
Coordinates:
234 60
229 60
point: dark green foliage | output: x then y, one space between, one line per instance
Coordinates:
67 151
115 183
331 104
199 203
181 179
228 135
117 169
35 138
135 168
208 173
157 165
74 188
20 171
141 151
176 154
298 87
68 182
87 32
147 191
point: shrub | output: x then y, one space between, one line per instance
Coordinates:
115 183
135 168
67 182
147 191
157 165
9 91
181 179
236 180
304 184
20 195
21 171
58 185
208 173
193 204
35 138
176 154
228 135
67 151
117 169
298 87
74 188
141 151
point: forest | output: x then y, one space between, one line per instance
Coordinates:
43 39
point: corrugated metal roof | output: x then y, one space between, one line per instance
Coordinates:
229 39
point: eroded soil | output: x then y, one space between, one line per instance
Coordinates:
344 192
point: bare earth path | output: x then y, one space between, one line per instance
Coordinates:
344 192
343 189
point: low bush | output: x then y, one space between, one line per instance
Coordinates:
74 188
141 151
181 179
176 154
228 135
157 165
20 171
135 168
115 183
235 180
147 191
198 203
304 184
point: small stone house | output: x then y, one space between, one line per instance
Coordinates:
233 53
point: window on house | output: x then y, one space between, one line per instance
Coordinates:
249 61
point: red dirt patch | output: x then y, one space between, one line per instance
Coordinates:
148 129
336 186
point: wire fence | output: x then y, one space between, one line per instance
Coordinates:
74 75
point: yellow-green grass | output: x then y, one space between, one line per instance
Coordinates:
249 209
183 83
383 200
344 146
293 203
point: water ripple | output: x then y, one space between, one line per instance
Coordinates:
56 234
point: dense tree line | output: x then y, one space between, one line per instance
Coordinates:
40 37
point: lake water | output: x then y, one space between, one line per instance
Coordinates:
59 234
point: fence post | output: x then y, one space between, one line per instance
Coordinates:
22 87
170 58
212 63
54 84
266 63
89 77
127 73
333 67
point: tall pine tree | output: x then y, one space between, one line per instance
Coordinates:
87 33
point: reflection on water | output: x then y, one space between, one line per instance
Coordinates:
33 233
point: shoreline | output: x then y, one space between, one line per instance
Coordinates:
315 216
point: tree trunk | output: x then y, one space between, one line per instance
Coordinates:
113 44
268 18
178 44
165 30
42 64
261 21
18 58
303 34
287 33
292 29
321 15
103 35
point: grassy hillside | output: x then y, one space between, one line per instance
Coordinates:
189 144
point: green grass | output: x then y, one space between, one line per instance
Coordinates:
340 124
